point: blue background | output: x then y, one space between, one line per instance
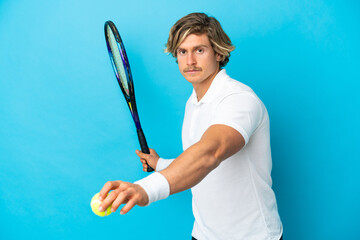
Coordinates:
65 130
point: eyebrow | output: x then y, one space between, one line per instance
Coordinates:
195 47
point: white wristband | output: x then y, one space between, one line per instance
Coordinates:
156 186
163 163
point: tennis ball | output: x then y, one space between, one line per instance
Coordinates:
95 204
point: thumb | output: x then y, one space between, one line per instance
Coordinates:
142 155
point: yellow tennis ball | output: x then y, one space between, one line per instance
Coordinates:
95 204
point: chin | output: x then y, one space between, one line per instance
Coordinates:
193 79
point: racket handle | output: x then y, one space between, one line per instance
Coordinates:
144 146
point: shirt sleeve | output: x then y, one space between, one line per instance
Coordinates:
163 163
241 111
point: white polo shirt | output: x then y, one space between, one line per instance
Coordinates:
235 200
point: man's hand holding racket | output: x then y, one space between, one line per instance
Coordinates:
150 159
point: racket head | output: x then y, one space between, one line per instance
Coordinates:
120 62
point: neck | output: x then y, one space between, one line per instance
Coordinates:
203 87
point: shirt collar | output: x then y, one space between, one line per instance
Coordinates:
211 92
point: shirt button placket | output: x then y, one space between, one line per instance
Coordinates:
193 120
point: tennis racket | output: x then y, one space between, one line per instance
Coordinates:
121 66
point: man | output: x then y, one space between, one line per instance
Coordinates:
226 160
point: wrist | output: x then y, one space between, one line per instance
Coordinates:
156 187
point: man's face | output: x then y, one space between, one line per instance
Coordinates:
197 61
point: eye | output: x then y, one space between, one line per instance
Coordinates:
199 50
181 52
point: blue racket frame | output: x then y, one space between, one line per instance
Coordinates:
130 98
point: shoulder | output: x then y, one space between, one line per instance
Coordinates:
234 90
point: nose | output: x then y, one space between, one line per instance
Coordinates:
190 59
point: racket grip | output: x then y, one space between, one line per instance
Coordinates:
144 146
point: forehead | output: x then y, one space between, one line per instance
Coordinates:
195 40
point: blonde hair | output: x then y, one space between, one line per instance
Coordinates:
200 23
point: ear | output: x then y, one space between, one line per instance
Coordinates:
218 57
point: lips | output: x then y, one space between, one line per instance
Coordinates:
192 70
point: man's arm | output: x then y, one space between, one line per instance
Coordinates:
217 144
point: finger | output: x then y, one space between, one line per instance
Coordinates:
142 155
121 198
123 191
108 200
144 164
110 185
130 204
